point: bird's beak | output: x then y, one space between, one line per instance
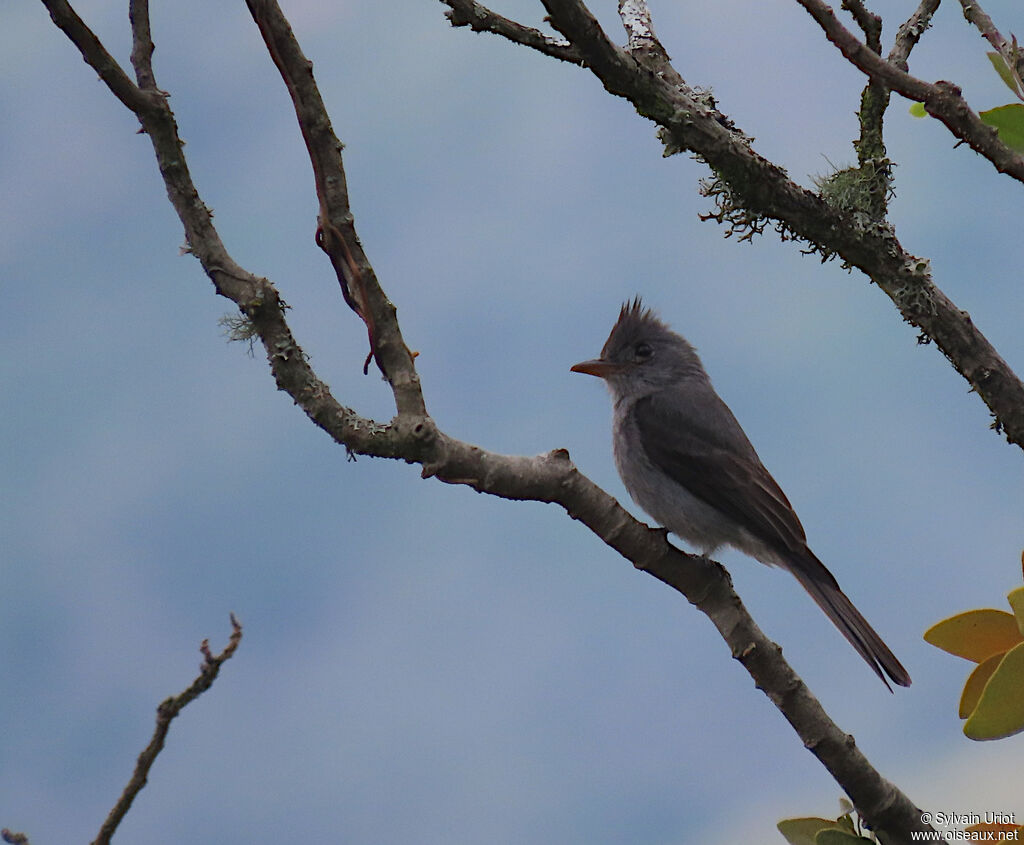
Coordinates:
597 367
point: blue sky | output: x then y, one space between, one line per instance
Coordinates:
422 663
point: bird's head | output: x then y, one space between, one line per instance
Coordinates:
642 355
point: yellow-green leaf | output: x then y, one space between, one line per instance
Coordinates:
1016 599
917 110
1009 121
802 831
834 836
976 683
976 634
999 63
1000 712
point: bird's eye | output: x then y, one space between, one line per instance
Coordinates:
643 351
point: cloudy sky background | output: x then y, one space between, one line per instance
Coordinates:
422 663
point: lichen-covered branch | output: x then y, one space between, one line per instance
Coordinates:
866 187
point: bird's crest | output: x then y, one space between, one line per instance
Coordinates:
635 321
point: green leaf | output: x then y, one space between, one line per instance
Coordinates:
975 634
803 831
1009 120
917 110
1005 74
1000 712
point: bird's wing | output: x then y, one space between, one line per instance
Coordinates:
702 447
717 464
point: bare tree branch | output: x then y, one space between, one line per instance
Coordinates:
481 19
979 17
941 100
573 19
142 43
869 23
339 240
96 55
910 33
165 714
1006 48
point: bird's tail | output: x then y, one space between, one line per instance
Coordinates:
825 591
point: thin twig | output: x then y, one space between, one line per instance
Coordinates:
979 17
909 34
869 23
165 714
336 231
142 43
119 83
324 151
1007 48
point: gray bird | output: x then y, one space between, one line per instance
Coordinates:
685 460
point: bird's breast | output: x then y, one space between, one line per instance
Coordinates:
667 501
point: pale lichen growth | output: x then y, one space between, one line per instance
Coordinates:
858 189
239 328
636 19
915 298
